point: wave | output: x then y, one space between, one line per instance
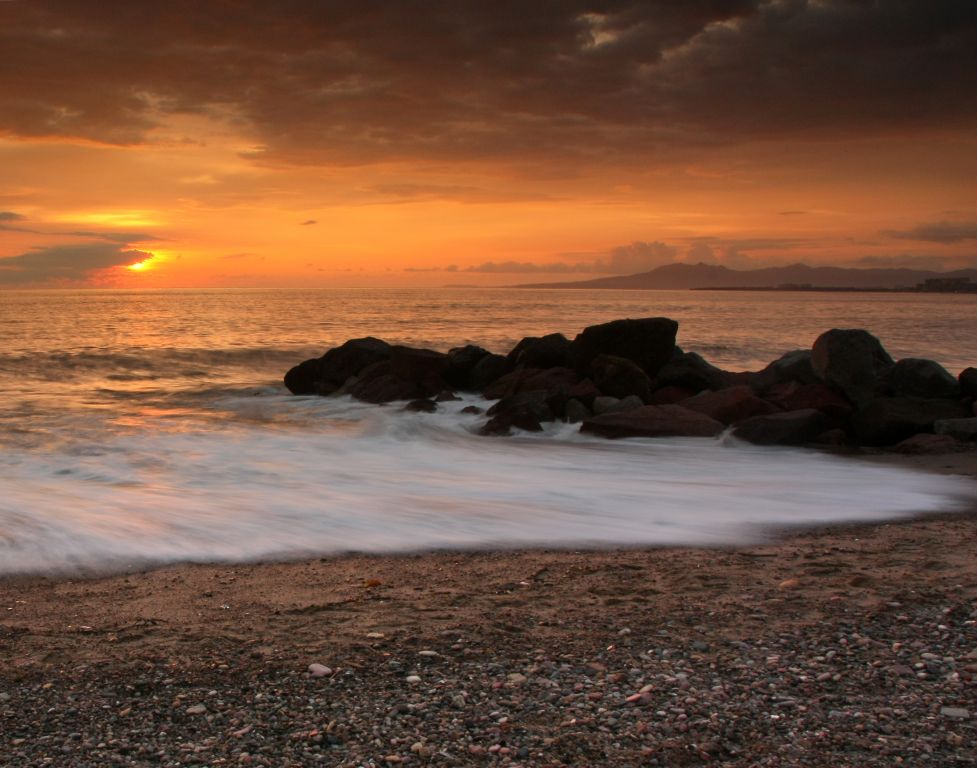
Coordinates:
291 477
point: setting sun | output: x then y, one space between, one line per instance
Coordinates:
142 266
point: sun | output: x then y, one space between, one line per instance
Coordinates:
141 266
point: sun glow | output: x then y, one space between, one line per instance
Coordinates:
141 266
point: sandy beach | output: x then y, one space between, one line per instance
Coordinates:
851 645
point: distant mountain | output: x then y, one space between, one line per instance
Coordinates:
684 276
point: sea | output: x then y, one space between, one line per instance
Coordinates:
140 428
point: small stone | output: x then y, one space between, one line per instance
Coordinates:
428 654
515 679
789 584
197 709
957 713
413 679
319 670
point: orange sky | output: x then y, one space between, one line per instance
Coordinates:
244 145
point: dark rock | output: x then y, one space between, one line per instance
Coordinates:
446 396
584 391
576 411
303 379
329 372
552 380
790 428
915 377
670 395
961 429
731 405
420 365
647 342
794 396
384 387
832 437
423 405
474 409
690 371
488 369
968 383
890 420
462 361
550 351
619 377
607 404
851 361
653 421
927 444
791 367
534 402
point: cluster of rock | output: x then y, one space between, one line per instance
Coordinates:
627 378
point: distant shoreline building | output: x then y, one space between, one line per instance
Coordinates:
947 285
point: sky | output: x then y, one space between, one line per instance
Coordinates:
244 143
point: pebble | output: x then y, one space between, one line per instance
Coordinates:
319 670
413 679
197 709
957 713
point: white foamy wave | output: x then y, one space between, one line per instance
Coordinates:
287 477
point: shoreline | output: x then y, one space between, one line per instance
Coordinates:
646 656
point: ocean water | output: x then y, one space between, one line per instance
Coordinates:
139 428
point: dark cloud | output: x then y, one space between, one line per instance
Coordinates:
11 216
361 81
939 232
308 223
65 264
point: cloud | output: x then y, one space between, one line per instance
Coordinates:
308 223
566 83
11 216
65 264
938 232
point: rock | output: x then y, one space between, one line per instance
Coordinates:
488 369
619 377
968 383
461 365
653 421
890 420
551 380
794 396
424 366
197 709
647 342
473 409
329 372
730 405
691 371
534 402
550 351
422 405
319 670
924 443
584 391
789 428
961 429
915 377
671 394
789 368
957 713
447 396
413 679
607 404
378 385
851 361
575 411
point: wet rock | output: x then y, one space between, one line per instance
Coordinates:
851 361
422 405
487 370
619 377
794 396
968 383
462 361
647 342
424 366
607 404
961 429
576 412
550 351
328 373
690 371
670 395
916 377
890 420
789 428
731 405
923 444
653 421
584 391
792 367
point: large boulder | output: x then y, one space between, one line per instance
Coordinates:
789 428
968 383
690 371
552 380
490 368
916 377
653 421
461 365
607 404
550 351
731 405
960 429
851 361
524 411
890 420
422 365
329 372
647 342
619 377
794 396
790 367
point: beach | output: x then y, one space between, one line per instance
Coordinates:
845 645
